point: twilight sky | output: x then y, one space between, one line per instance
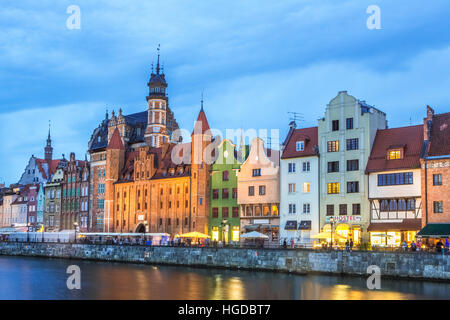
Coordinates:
255 61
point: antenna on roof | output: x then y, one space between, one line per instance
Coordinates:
295 116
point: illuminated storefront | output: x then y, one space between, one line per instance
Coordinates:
392 234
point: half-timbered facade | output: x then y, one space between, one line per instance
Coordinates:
395 186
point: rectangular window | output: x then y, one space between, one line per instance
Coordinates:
438 207
235 193
335 125
333 166
215 193
300 145
437 179
306 208
333 188
235 212
262 190
306 187
352 186
349 123
215 212
393 179
352 165
225 193
256 172
342 209
306 166
356 209
333 146
353 144
291 167
251 191
292 208
330 209
100 204
291 187
395 154
224 212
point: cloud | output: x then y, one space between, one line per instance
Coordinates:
25 133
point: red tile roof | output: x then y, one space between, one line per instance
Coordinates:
52 167
309 135
116 141
410 138
201 125
440 135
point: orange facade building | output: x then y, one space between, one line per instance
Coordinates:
143 177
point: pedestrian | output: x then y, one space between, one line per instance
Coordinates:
347 246
413 246
447 244
284 243
439 246
292 243
351 244
404 245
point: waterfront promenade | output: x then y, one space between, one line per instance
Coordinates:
417 265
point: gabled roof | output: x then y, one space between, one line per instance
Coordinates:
53 165
409 138
309 136
439 144
116 141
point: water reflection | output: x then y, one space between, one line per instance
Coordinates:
35 278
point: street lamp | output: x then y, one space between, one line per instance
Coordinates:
331 233
75 224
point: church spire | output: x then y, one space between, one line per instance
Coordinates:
201 109
157 64
48 150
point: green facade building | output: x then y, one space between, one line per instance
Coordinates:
224 222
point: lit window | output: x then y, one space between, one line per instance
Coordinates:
291 187
306 187
395 154
333 188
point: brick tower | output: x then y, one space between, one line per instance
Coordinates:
115 157
201 138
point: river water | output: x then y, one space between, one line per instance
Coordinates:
39 278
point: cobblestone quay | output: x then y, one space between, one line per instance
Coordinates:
398 265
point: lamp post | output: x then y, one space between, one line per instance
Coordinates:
75 224
331 233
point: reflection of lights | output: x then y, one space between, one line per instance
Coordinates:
235 289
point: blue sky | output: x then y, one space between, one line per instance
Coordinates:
254 60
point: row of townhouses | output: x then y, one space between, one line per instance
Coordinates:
350 177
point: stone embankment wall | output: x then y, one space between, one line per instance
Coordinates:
403 265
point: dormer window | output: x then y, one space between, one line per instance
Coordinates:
300 146
395 154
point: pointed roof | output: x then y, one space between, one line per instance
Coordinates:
201 125
116 141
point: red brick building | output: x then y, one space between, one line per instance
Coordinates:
435 165
75 195
143 177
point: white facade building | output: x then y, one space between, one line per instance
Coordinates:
299 187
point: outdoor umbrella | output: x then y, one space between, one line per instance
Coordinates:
327 235
254 235
194 234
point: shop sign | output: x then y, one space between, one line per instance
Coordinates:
261 221
339 219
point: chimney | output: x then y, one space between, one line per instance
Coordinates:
427 123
